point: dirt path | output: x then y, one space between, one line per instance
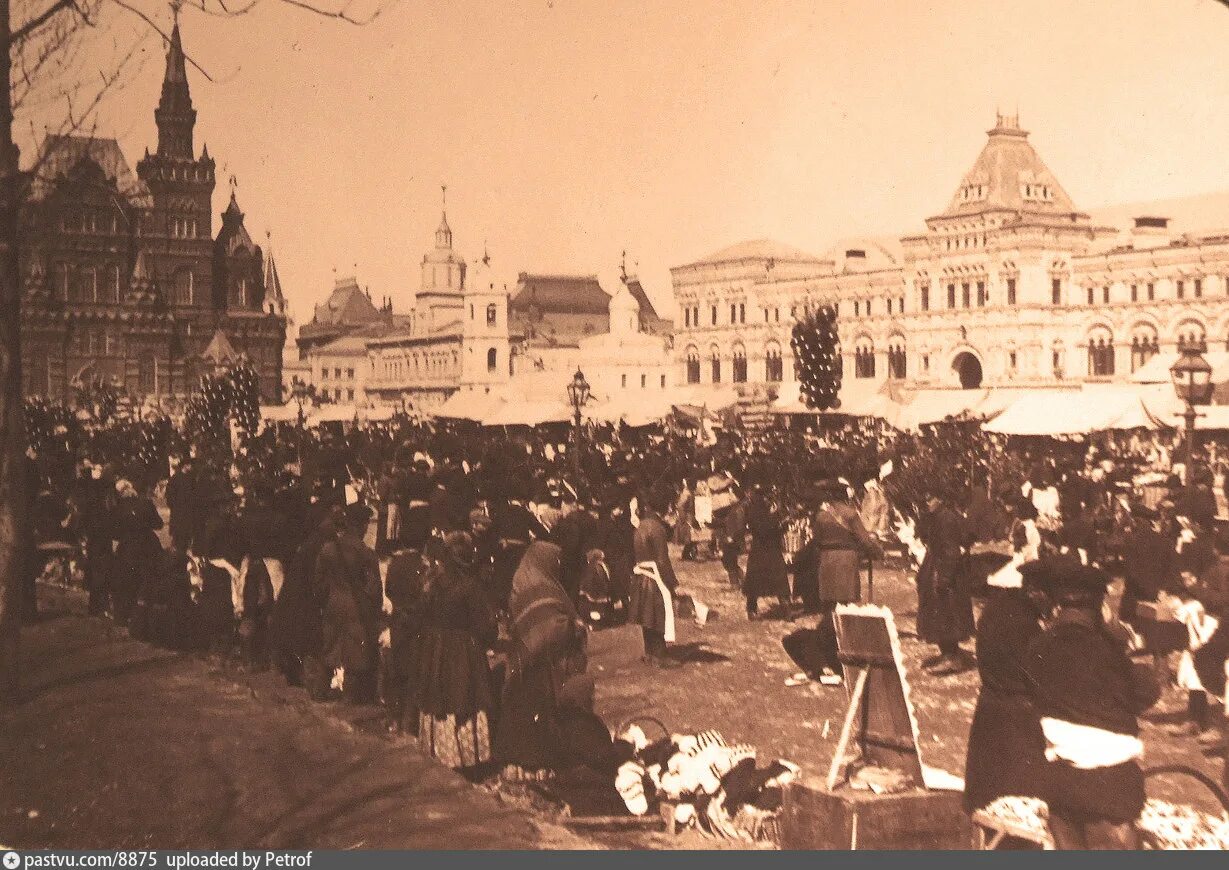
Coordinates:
123 745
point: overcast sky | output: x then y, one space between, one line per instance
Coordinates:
568 130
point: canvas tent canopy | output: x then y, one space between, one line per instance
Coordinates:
287 413
1156 370
1072 413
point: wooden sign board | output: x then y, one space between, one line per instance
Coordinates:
880 719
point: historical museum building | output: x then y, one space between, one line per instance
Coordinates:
1011 284
125 279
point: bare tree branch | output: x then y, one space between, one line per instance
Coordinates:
166 37
341 14
25 30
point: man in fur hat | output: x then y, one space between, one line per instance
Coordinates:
1088 693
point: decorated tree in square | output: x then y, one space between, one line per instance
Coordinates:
817 358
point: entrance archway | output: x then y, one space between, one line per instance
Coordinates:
968 368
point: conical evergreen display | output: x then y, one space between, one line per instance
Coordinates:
817 358
234 394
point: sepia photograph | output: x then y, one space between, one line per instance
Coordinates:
611 425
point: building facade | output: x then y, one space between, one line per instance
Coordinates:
124 278
1010 285
456 337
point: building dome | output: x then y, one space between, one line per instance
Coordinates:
624 311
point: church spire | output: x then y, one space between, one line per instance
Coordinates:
275 301
175 116
443 233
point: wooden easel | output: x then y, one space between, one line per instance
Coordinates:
885 729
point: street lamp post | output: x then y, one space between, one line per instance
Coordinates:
1192 377
578 394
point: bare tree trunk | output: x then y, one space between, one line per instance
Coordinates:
12 425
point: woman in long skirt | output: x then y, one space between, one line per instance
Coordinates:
455 698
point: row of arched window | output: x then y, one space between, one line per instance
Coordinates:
774 365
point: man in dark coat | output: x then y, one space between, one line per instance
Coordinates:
1088 693
403 587
731 529
767 575
1006 754
96 503
348 573
840 541
576 535
1148 562
944 609
181 499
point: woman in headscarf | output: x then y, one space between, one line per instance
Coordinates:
548 641
455 700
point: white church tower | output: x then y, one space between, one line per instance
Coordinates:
486 349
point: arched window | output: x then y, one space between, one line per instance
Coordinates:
774 370
492 359
492 314
897 361
864 358
714 353
1144 345
1100 352
1058 360
693 364
1192 334
740 364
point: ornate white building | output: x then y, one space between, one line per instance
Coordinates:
1011 284
456 337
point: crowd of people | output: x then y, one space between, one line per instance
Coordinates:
466 612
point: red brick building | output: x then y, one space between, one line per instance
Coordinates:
124 276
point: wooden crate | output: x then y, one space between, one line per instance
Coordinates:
814 818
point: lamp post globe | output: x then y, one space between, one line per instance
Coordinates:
578 395
1192 378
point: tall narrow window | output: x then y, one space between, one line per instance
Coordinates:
1056 291
964 294
951 295
693 365
742 312
1011 291
981 294
773 367
1198 288
716 365
492 359
925 297
740 365
492 314
1180 289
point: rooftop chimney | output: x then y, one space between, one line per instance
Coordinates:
1150 231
